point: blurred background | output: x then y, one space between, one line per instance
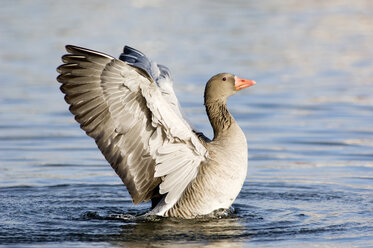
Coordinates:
308 121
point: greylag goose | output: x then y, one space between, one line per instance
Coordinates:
128 106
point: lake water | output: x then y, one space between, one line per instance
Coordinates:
308 121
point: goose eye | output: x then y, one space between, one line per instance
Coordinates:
224 78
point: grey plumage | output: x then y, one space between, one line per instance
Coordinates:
137 59
129 108
131 122
94 102
158 73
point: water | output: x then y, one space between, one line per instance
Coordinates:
308 121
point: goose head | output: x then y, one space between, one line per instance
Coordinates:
224 85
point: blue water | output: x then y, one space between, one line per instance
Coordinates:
308 121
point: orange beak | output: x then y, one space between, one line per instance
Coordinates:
240 83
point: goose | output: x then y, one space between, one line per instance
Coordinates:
128 106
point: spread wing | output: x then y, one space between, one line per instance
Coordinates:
140 134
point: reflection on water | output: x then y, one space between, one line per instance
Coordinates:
308 121
208 230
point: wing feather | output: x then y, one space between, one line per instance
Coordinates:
137 129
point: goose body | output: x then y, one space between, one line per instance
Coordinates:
128 106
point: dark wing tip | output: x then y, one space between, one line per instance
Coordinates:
137 59
133 56
61 78
131 50
69 46
72 48
76 50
